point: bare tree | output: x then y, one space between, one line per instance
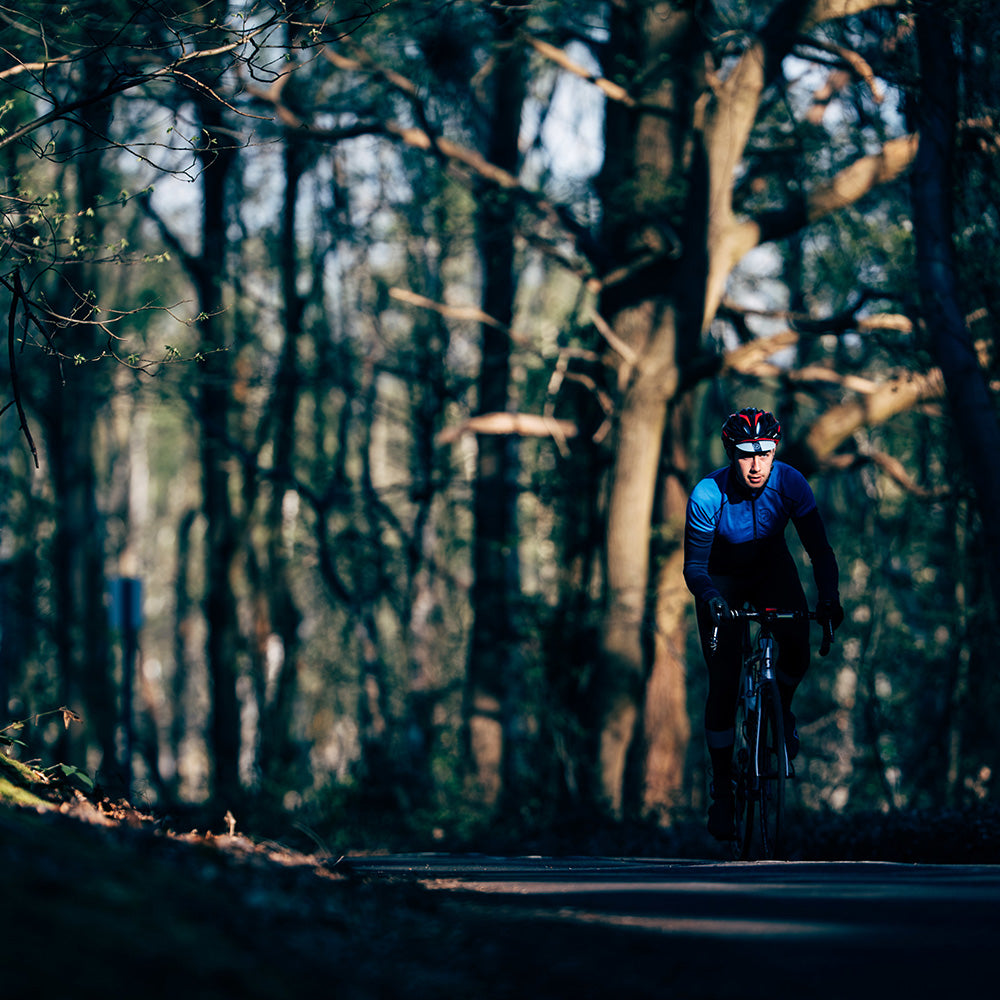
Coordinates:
972 403
82 86
495 667
678 141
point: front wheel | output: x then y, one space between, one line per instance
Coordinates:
772 773
745 791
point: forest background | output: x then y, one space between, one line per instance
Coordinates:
361 358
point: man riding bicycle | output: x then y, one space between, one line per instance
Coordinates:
735 552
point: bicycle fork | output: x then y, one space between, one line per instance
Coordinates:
768 681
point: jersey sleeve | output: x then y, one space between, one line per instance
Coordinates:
812 533
699 533
703 507
799 492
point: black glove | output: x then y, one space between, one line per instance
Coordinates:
830 611
718 609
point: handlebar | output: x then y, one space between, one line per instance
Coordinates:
767 616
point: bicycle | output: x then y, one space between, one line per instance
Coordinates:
761 765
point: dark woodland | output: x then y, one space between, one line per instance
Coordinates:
360 360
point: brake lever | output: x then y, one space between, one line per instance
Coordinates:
827 641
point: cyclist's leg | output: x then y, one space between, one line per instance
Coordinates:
720 707
723 678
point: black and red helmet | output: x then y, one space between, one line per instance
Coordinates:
750 431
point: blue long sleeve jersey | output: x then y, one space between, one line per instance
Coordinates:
733 532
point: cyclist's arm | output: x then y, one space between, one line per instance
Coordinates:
812 532
699 534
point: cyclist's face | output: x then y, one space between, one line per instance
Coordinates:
754 469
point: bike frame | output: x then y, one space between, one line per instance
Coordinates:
759 676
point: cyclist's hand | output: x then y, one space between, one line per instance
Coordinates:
718 609
830 611
830 615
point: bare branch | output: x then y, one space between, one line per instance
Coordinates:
561 373
841 322
18 298
612 91
863 176
462 313
34 67
833 10
890 398
522 424
753 359
837 80
893 468
471 313
885 321
363 62
126 81
747 357
424 137
614 341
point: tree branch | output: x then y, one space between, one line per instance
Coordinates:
836 10
888 399
424 137
864 175
18 297
522 424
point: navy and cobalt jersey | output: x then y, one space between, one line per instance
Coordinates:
733 532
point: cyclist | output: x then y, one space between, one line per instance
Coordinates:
735 552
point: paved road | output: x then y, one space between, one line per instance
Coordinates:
844 930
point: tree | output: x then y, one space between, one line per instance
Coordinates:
675 136
70 70
495 657
684 131
457 370
951 340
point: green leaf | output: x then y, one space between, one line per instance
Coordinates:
69 771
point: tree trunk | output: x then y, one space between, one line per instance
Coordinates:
71 413
494 666
674 167
278 618
666 723
969 398
656 312
212 409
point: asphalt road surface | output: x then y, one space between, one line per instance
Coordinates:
760 929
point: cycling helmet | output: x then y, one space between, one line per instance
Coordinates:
749 431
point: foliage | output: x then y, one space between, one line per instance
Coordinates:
299 219
27 785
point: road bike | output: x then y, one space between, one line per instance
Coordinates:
761 765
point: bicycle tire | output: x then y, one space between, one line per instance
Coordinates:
745 787
771 800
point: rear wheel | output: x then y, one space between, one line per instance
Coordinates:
772 773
